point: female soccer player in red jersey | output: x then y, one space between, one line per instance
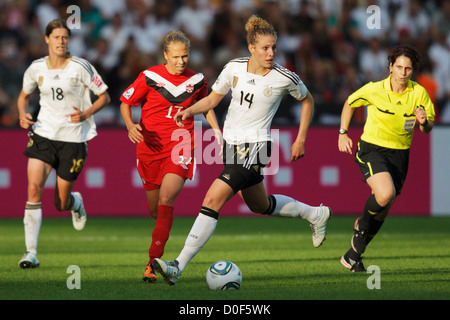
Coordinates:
165 154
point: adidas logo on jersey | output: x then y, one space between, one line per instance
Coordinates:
251 81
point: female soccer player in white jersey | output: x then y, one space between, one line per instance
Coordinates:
59 135
258 85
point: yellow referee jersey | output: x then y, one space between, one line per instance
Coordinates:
390 116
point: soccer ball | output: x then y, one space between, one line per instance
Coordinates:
223 275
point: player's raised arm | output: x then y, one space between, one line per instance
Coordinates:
203 106
425 125
79 116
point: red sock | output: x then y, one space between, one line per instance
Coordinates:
161 232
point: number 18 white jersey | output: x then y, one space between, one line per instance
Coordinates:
255 99
60 90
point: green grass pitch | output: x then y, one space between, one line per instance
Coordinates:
275 255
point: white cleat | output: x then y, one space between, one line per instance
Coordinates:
168 269
79 217
320 227
29 260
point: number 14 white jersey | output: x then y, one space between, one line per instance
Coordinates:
255 99
61 90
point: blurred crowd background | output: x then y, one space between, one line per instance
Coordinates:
326 42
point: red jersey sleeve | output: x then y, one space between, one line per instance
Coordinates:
136 92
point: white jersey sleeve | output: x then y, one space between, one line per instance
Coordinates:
90 77
30 81
224 80
297 89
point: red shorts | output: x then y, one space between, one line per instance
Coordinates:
152 172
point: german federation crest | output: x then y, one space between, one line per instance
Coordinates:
267 91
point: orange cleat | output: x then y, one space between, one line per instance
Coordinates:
149 274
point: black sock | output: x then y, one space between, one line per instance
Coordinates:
352 254
371 209
272 205
367 224
372 206
374 227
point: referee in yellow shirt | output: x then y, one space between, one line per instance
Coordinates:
394 105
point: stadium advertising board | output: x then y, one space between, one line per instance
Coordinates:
111 185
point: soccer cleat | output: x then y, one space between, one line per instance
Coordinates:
79 217
353 265
169 270
359 239
29 260
149 274
319 228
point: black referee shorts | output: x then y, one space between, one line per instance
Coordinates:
67 158
373 159
244 163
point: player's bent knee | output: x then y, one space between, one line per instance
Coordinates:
166 200
211 201
385 198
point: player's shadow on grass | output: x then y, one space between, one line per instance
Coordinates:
323 259
409 257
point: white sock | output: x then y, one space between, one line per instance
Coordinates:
291 208
76 205
32 224
200 233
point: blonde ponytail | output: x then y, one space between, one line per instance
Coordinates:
256 27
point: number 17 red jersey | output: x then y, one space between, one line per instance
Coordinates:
161 95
